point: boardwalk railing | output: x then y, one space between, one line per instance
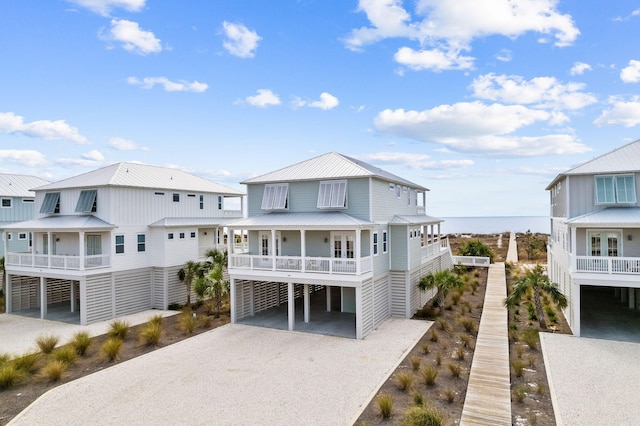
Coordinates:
472 261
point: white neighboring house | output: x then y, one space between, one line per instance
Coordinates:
110 242
337 228
17 202
595 230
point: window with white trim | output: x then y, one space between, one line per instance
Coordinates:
275 196
176 197
119 244
392 187
193 235
142 244
384 241
201 202
9 236
170 236
6 203
409 197
182 235
375 243
332 194
398 191
28 200
22 236
220 205
619 189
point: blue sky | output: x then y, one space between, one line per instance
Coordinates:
482 102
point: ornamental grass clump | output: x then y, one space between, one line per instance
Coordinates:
385 405
455 369
80 342
434 335
404 380
119 329
156 319
531 337
415 362
47 343
187 322
518 367
54 370
111 348
150 334
10 375
419 416
449 395
27 362
66 355
429 375
519 393
468 324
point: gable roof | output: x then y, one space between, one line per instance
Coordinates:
141 176
19 185
625 159
329 166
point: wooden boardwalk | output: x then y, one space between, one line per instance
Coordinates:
488 400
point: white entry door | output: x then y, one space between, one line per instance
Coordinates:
266 246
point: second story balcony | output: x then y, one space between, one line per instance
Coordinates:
315 265
63 262
608 265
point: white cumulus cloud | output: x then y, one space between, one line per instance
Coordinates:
88 159
631 73
264 98
413 161
132 37
327 101
625 113
579 68
239 40
104 7
433 59
44 129
122 144
542 92
168 85
23 156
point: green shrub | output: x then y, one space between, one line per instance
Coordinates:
404 380
111 348
119 329
81 342
385 405
66 355
531 337
429 375
150 334
423 416
415 362
455 369
204 321
27 362
10 375
4 358
532 312
47 343
54 370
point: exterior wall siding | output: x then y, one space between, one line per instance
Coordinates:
18 211
381 300
398 236
133 291
386 204
158 290
367 307
558 198
24 292
99 303
398 281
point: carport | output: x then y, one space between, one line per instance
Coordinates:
45 298
611 313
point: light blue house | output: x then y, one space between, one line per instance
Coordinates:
338 230
17 204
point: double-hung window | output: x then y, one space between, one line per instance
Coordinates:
375 243
384 241
619 189
219 202
332 194
119 244
142 244
6 203
275 197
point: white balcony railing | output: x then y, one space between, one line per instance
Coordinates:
434 249
608 265
320 265
28 260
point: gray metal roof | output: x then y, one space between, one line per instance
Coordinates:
625 159
414 220
143 176
175 222
19 185
62 223
330 166
320 220
612 216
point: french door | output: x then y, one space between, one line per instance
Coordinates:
604 243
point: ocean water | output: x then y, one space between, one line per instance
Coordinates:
495 224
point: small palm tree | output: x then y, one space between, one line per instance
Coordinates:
443 281
536 281
188 274
2 275
218 287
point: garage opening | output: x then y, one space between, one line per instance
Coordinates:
26 298
268 307
610 313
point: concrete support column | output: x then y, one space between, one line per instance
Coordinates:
328 291
83 301
303 250
616 292
637 290
7 297
73 296
232 300
291 305
307 307
632 298
43 297
252 299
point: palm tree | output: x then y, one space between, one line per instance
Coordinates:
443 281
536 281
217 286
188 274
2 275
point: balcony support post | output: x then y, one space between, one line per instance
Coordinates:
303 250
82 251
43 297
273 249
49 245
306 303
232 298
358 254
291 306
632 298
8 297
328 291
73 296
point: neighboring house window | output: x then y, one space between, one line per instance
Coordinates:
87 202
158 193
119 244
384 241
332 194
391 187
275 196
51 203
615 189
193 235
219 202
6 203
142 246
398 191
170 235
9 236
201 201
191 195
22 236
182 235
28 200
176 198
409 197
375 243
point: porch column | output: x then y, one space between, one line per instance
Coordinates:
252 299
43 297
307 306
303 249
7 297
73 296
82 251
637 290
576 310
232 300
291 306
632 298
5 243
623 295
328 291
357 249
273 249
574 262
83 301
229 241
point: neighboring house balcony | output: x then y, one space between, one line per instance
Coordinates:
68 262
307 264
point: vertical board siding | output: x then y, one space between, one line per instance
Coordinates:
367 307
398 236
381 302
24 292
133 291
99 303
18 211
386 204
